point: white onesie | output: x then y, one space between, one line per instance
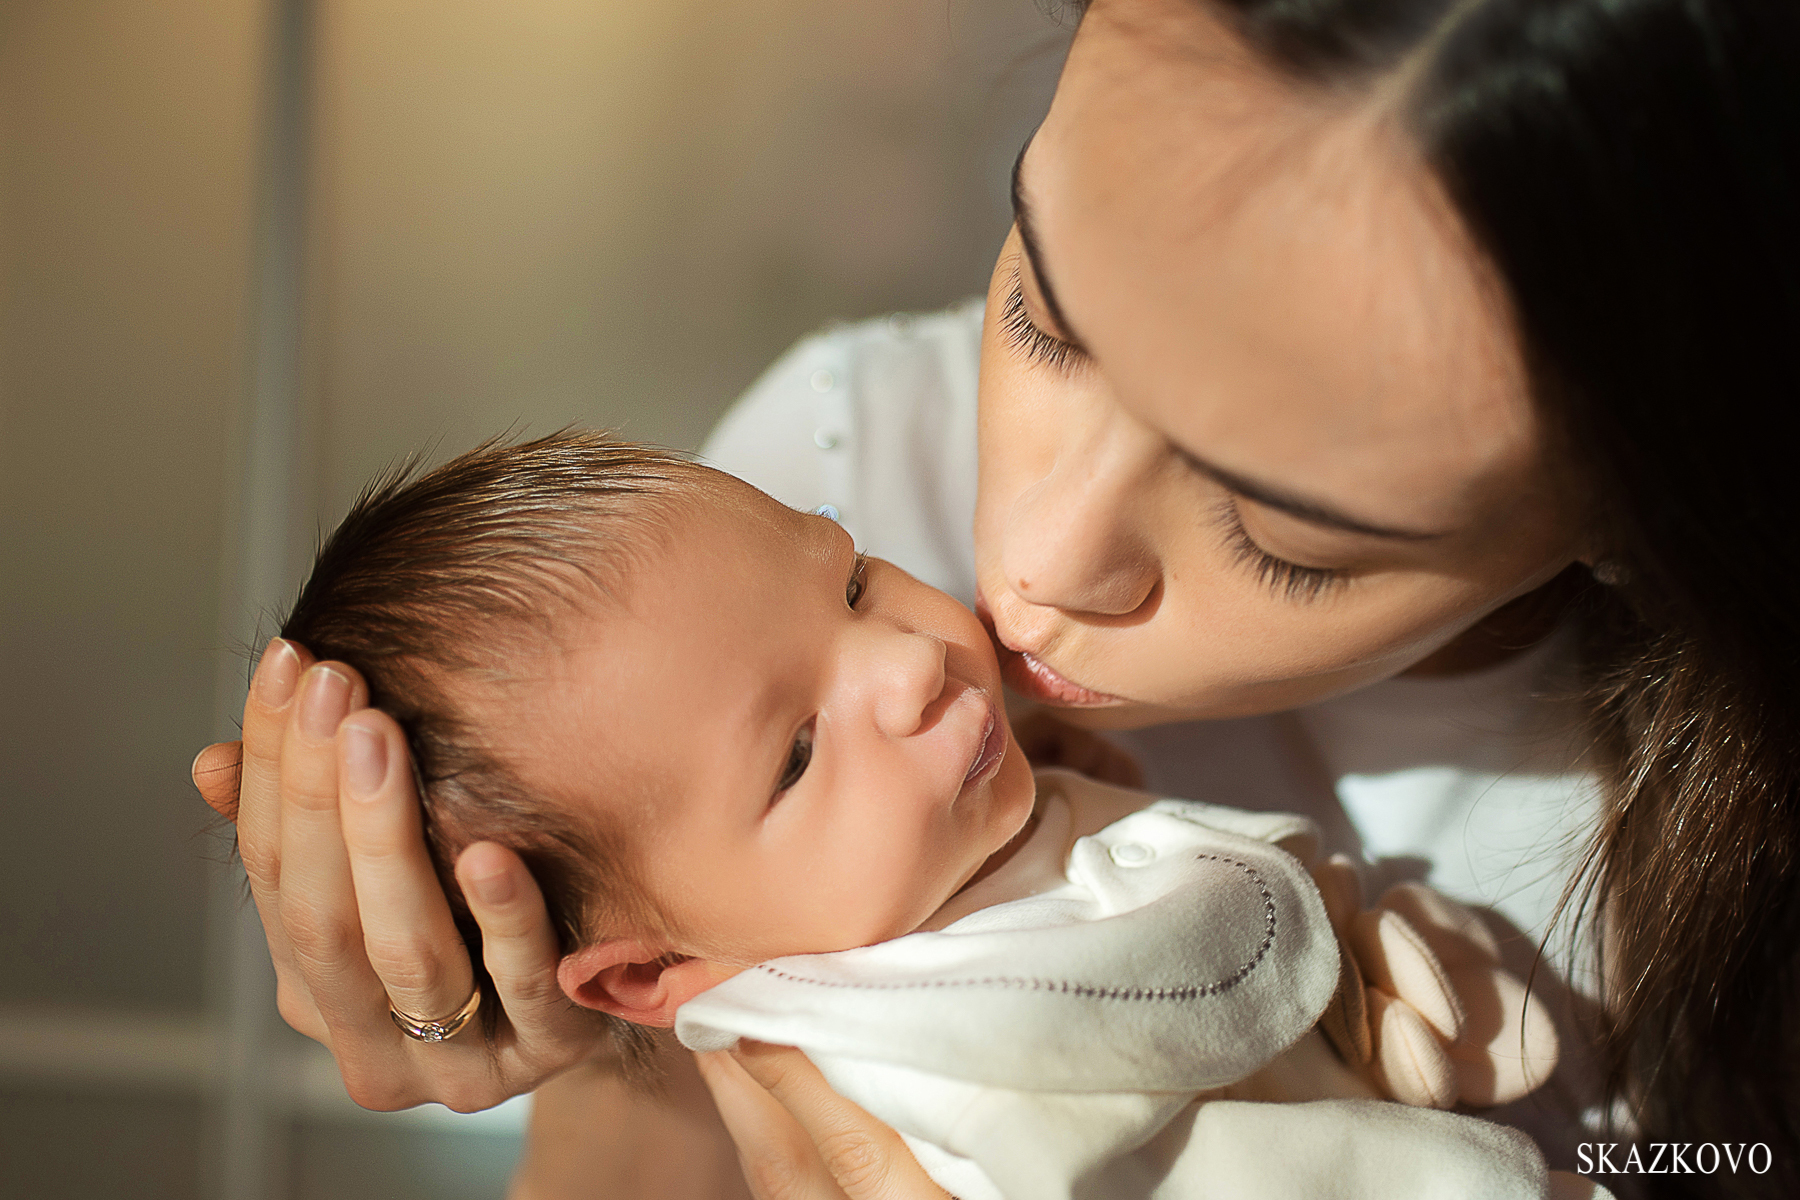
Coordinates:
1110 1015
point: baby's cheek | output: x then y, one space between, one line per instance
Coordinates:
892 901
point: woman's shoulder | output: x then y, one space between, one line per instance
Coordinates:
874 421
836 391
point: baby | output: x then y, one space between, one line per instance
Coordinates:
768 784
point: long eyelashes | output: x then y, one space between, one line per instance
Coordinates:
1033 342
1291 580
859 581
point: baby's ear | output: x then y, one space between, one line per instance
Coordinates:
629 979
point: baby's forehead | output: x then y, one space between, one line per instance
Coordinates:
720 496
730 525
604 711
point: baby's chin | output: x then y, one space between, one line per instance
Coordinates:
1013 794
1015 790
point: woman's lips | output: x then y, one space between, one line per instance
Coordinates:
991 750
1029 676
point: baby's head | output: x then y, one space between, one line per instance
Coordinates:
714 732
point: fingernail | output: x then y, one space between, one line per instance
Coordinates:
326 700
365 760
493 890
230 765
276 673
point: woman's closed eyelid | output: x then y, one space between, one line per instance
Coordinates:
1028 338
1288 579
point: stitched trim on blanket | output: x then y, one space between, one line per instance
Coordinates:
1095 991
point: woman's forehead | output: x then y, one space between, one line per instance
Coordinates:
1275 279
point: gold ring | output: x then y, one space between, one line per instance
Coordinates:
435 1031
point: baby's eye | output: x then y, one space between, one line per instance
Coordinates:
853 591
799 757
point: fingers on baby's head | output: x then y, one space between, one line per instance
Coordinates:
216 773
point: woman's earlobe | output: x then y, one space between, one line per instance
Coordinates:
1611 572
1607 568
635 982
1603 561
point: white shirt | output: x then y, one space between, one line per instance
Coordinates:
1472 784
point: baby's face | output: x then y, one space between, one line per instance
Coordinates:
806 751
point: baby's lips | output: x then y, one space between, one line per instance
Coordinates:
992 747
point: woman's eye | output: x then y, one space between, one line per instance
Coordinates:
859 574
1283 577
799 757
1033 342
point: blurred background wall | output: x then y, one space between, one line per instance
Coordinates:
250 252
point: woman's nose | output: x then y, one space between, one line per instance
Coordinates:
1074 539
907 677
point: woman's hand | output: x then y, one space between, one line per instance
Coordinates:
330 833
799 1140
1425 1006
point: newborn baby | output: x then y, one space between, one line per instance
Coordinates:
768 783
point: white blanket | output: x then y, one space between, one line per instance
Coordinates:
1080 1038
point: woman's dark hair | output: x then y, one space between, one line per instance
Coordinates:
1632 168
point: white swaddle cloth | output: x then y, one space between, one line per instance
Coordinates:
1054 1044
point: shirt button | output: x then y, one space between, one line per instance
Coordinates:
1132 854
825 439
823 381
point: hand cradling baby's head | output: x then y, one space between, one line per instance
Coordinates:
714 731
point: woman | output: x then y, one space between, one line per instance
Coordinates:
1334 340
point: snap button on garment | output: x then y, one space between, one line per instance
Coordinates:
1132 854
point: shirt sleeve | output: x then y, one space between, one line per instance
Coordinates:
875 420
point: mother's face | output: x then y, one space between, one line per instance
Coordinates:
1254 426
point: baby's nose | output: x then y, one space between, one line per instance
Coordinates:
909 677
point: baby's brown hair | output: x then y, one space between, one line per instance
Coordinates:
435 579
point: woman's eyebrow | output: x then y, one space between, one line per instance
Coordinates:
1312 511
1034 254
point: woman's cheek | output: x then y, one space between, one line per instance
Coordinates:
1226 644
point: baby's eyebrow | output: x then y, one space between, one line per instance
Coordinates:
832 529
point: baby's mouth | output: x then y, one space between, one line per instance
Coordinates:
992 749
1031 677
